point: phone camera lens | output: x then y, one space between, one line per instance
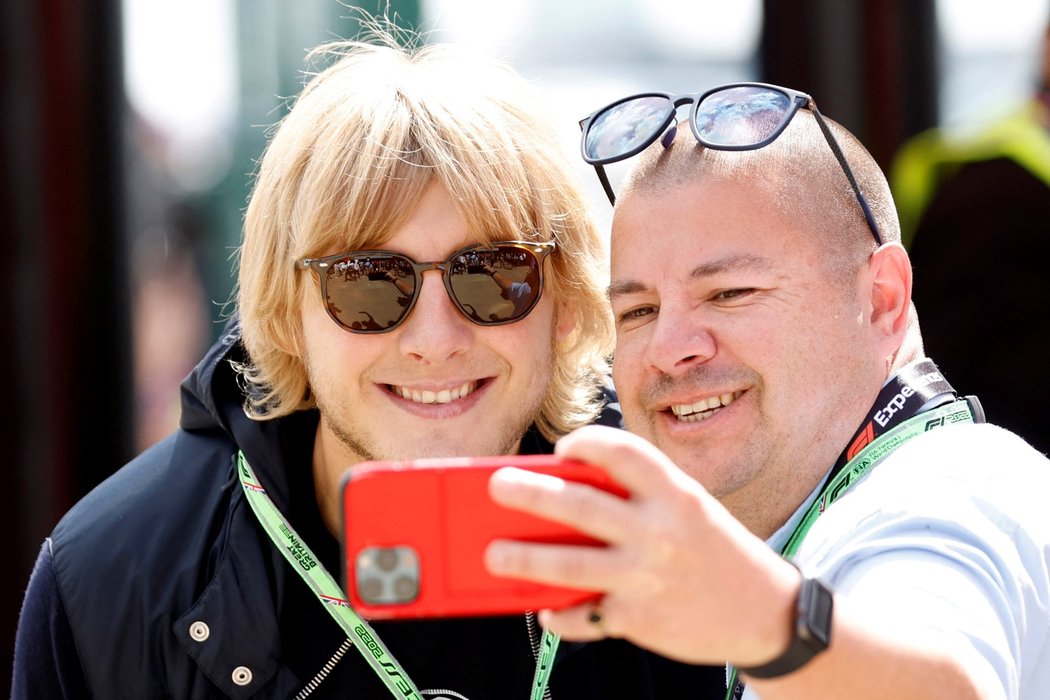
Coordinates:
387 559
370 590
405 588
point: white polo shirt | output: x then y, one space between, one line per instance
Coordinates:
949 535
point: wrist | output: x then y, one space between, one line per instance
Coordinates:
809 631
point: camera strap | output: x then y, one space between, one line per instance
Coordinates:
327 590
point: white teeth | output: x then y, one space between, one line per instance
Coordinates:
704 408
443 396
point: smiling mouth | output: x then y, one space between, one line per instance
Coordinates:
704 408
431 397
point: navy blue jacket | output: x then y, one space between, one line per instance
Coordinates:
169 542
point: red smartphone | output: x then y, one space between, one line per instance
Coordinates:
415 532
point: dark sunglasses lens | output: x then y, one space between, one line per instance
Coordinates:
740 116
370 293
625 128
495 285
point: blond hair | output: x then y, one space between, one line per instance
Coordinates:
346 167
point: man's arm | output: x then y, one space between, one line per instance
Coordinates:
874 657
46 663
683 578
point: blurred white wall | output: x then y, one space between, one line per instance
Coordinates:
990 53
586 53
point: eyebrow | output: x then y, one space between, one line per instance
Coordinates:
730 263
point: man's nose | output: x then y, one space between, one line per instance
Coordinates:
436 330
681 340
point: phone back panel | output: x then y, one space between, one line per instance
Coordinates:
415 533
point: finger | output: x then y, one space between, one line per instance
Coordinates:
588 568
631 460
586 622
590 510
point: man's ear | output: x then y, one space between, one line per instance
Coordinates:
890 275
287 333
565 320
288 337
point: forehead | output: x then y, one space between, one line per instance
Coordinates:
712 219
420 218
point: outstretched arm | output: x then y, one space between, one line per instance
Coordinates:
683 578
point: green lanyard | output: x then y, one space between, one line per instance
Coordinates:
324 586
958 411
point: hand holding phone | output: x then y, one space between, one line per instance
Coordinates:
415 532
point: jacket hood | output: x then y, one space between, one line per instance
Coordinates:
208 390
213 401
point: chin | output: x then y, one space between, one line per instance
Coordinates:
716 477
445 446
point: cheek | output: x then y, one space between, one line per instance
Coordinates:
331 353
627 368
528 344
544 318
317 329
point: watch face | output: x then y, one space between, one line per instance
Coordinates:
814 613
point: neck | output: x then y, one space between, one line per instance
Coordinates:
332 458
329 466
765 504
765 507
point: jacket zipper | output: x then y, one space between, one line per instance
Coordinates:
310 687
534 642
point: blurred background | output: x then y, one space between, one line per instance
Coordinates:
130 131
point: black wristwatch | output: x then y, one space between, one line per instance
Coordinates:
812 632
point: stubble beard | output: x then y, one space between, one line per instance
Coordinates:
365 448
750 455
506 439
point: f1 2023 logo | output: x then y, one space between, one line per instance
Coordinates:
957 417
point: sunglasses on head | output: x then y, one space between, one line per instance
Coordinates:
373 291
736 117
